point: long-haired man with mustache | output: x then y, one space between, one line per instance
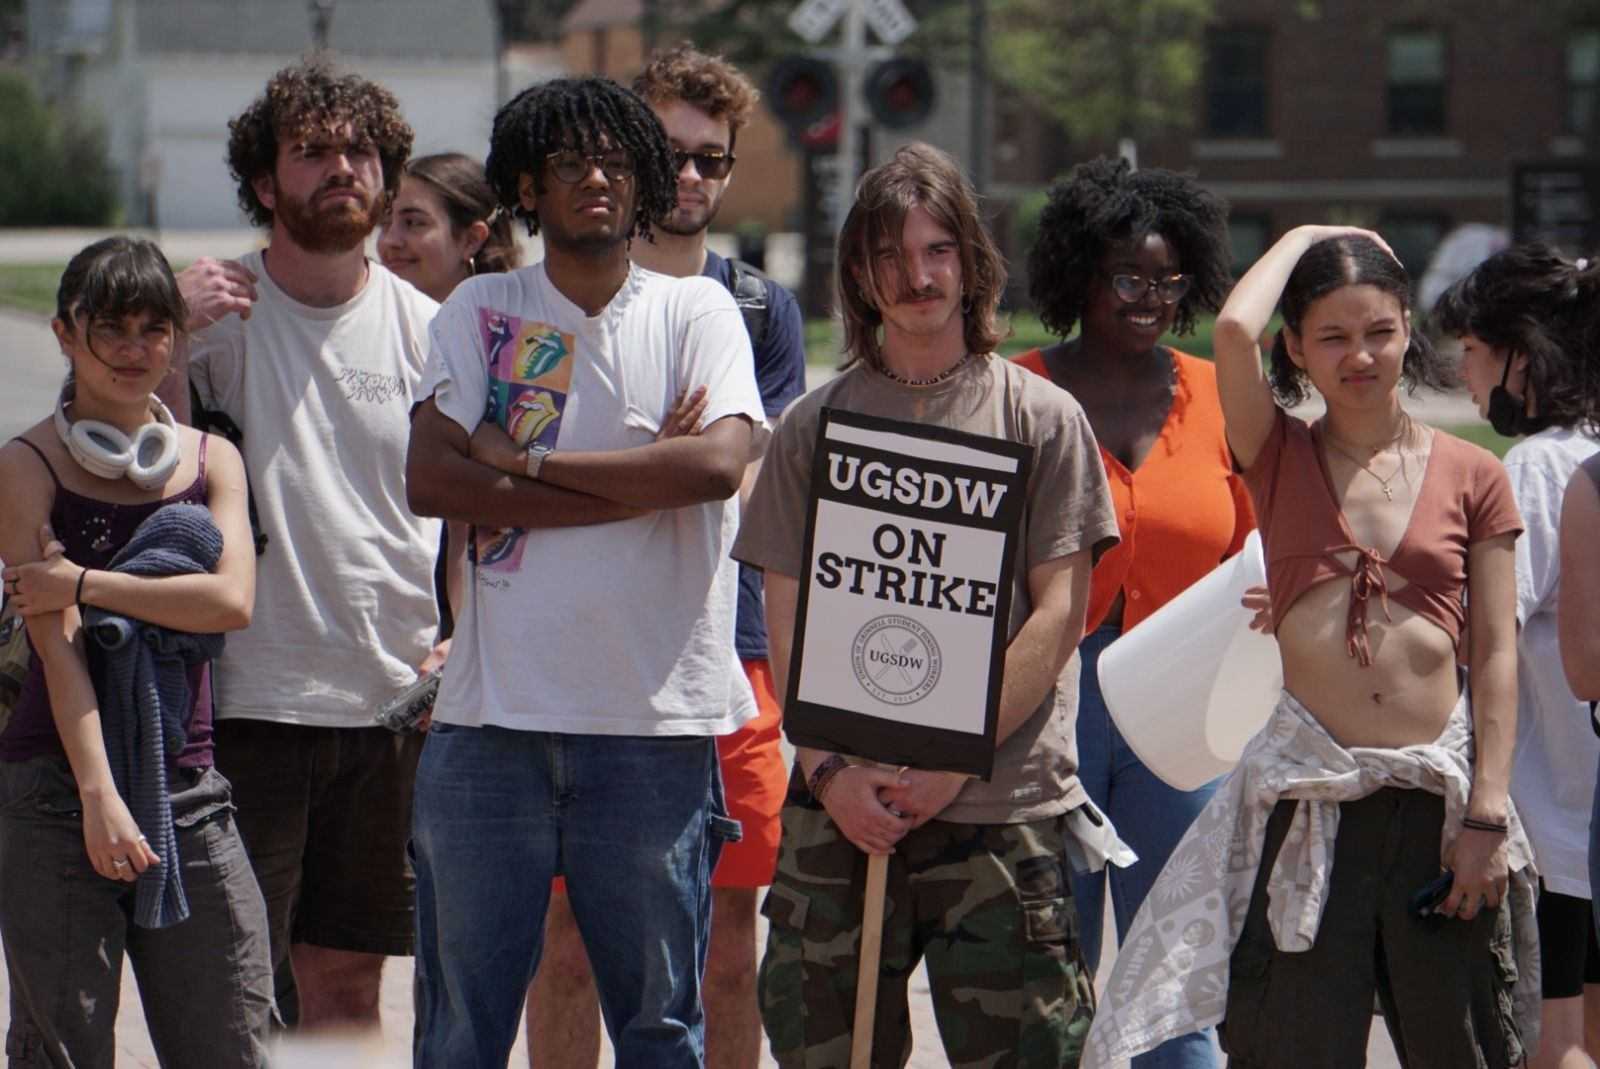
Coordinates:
977 882
316 353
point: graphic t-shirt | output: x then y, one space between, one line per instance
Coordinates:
344 607
611 629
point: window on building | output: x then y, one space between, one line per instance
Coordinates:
1416 80
1413 239
1247 238
1236 81
1583 81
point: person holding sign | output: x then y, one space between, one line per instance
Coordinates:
976 880
1130 256
1366 844
593 663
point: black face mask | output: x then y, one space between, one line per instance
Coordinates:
1508 412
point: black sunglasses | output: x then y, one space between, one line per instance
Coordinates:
572 167
712 165
1131 289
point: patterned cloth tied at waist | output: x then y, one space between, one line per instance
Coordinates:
1171 973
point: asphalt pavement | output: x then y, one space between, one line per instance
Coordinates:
30 371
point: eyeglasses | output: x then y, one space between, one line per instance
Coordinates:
1131 289
712 165
107 336
573 167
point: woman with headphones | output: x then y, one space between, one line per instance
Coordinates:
128 554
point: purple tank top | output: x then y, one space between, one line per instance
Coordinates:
92 532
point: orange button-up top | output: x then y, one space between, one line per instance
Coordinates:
1180 513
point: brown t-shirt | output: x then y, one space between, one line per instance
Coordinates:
1465 498
1068 509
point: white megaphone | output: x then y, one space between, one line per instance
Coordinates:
1192 683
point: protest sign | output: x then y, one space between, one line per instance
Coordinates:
904 609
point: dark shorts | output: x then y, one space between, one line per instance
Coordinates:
326 815
1569 953
1444 985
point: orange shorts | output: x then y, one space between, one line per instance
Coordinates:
754 780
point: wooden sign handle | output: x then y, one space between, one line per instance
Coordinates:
871 951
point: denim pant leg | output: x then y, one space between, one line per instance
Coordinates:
206 984
62 924
642 821
485 846
1149 815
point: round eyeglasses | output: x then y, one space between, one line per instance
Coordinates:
1131 289
572 167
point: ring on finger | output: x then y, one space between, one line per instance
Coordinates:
119 862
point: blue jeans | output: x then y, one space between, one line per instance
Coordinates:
1150 817
633 823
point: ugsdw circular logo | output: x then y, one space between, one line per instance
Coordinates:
896 659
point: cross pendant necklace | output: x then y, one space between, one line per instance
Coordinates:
1388 494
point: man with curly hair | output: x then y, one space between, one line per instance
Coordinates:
591 420
702 101
977 872
315 353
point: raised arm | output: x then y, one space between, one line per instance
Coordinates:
1578 611
443 479
109 831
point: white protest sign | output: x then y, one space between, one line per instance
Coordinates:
904 608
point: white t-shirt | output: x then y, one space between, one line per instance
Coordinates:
1553 777
344 606
612 629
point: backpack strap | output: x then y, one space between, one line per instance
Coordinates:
211 421
748 285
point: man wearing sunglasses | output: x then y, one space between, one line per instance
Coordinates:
702 102
592 666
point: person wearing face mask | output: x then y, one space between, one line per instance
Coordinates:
1131 256
1521 318
128 552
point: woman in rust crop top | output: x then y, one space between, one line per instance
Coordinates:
1131 255
127 551
1384 539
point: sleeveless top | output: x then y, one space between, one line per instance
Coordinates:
1465 497
92 532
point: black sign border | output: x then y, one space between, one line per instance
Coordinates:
826 727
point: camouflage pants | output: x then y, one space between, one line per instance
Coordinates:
988 905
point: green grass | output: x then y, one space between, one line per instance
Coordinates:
30 287
1484 435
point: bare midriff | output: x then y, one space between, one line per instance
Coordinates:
1402 698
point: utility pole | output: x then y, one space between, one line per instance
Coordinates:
321 22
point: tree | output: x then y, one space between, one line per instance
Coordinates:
53 170
1103 69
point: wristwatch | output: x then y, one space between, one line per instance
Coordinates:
535 459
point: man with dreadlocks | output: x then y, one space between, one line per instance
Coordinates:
594 662
315 352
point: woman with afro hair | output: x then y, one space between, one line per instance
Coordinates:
1126 257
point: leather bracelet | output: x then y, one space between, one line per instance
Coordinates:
826 769
1485 825
77 595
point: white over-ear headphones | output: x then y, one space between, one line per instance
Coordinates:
148 458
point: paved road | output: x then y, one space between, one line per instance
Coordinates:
31 369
